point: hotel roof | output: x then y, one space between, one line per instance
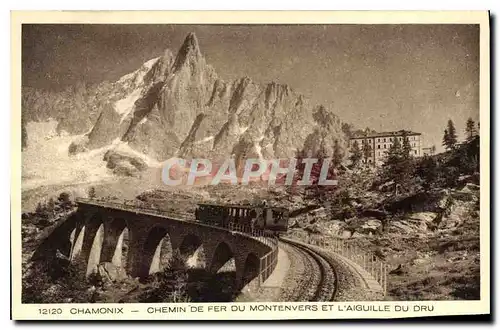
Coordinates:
384 134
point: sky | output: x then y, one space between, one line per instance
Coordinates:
386 77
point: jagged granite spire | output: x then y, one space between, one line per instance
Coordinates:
189 52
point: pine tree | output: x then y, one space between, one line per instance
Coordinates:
406 150
397 167
356 154
470 129
51 205
347 130
395 153
91 193
64 200
39 208
337 154
299 171
445 138
367 151
451 137
315 190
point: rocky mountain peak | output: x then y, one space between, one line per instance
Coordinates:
181 107
189 51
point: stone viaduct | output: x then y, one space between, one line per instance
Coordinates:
95 234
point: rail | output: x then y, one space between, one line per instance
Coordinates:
267 263
351 249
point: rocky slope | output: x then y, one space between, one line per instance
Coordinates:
176 105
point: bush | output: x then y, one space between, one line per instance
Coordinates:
427 170
91 193
64 200
56 281
341 206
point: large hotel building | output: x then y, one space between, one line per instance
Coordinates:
381 142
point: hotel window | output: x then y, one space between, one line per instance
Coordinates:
385 147
415 152
384 141
378 146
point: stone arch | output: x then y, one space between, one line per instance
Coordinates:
156 250
92 241
191 249
60 237
77 236
116 231
121 253
95 249
221 256
251 268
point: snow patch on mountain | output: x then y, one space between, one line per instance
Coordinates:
242 130
138 75
258 148
125 106
47 162
149 64
208 138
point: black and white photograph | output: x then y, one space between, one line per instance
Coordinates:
250 163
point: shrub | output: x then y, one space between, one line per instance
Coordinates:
92 193
56 280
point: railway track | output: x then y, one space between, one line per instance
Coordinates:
319 279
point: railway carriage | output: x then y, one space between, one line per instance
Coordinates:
273 219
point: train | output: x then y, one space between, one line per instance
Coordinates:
249 217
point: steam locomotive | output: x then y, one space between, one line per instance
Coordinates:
269 219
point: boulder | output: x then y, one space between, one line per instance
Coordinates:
370 226
385 187
465 196
420 261
464 179
400 227
78 146
124 164
346 234
336 227
400 270
443 200
124 169
426 217
379 214
472 187
106 272
52 290
312 229
357 235
372 223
